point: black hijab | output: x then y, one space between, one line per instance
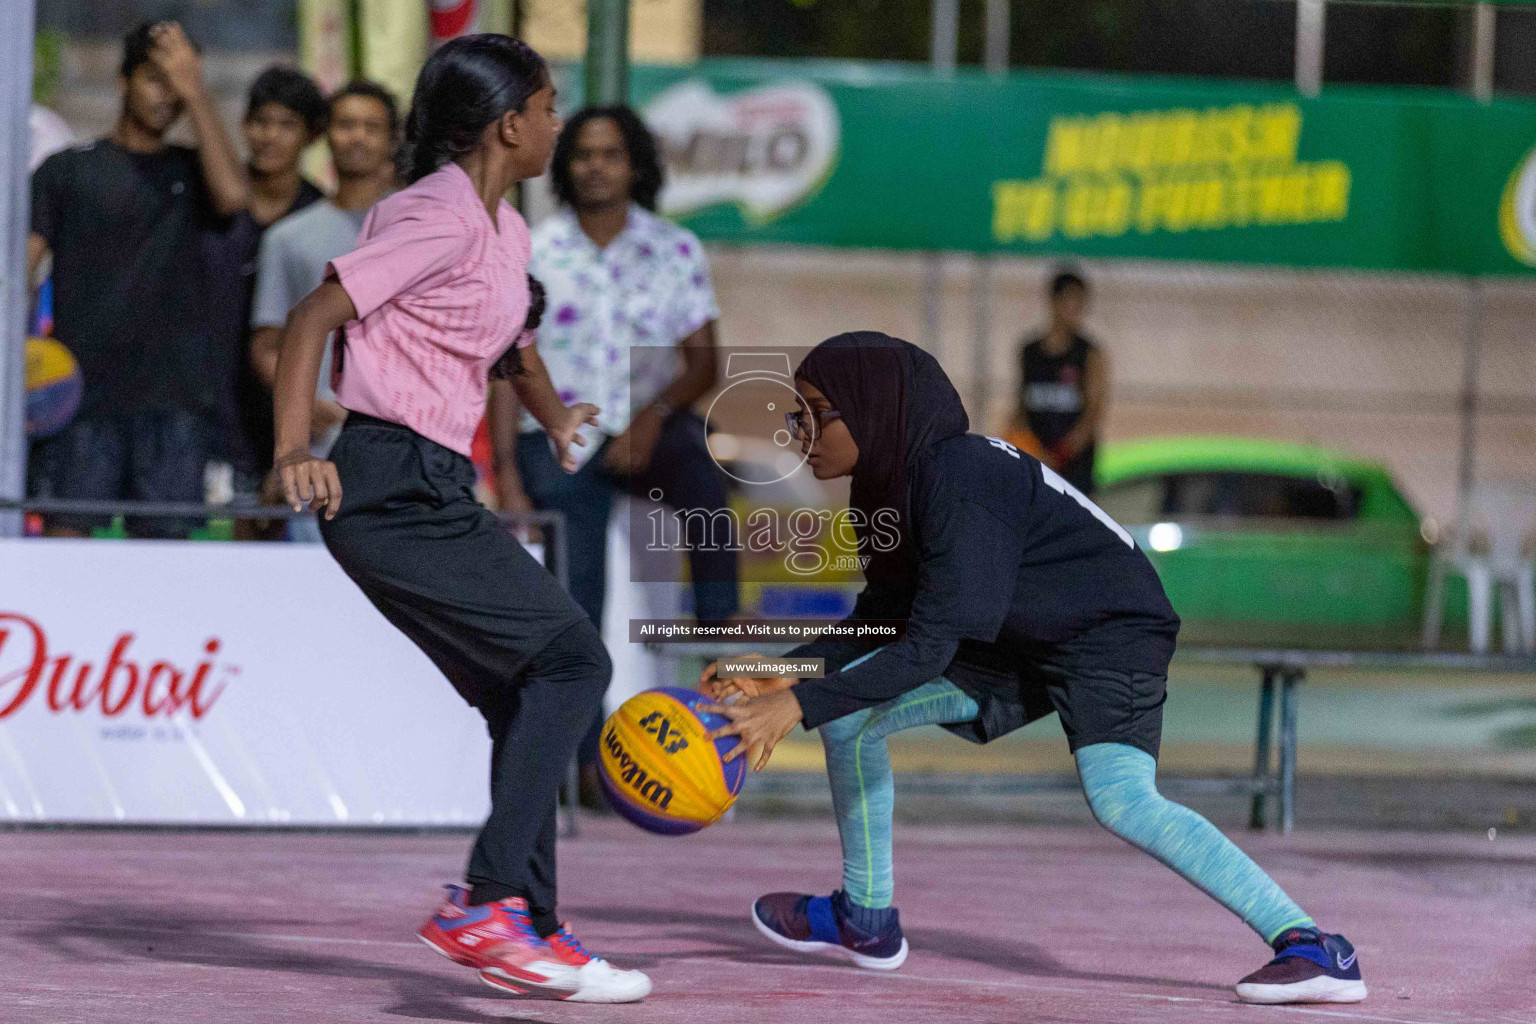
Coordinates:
897 403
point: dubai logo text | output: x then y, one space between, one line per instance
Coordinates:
123 682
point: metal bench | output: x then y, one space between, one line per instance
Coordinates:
1289 668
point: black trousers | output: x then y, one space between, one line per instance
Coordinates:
442 569
684 472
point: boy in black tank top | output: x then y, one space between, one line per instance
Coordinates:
1063 385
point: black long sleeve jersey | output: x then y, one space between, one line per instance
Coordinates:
1014 568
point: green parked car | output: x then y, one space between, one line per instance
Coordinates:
1269 543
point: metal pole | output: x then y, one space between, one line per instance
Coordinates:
932 297
945 43
981 343
1484 17
995 47
995 60
1262 780
607 52
607 83
1471 367
1310 16
16 32
944 46
557 549
1288 699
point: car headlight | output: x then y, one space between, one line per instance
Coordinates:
1165 537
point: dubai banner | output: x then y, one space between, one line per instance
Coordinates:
176 682
891 156
239 683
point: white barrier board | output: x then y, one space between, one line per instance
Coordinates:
148 681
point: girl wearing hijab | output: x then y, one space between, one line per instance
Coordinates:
1020 597
433 301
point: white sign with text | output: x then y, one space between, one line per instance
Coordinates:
145 681
765 149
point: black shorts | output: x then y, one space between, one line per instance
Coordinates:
1102 705
153 455
1095 705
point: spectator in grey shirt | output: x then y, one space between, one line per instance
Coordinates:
294 254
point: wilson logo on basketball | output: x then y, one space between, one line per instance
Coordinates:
635 777
63 681
668 736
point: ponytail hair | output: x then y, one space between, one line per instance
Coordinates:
466 85
511 362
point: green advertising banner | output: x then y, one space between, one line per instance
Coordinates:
1095 166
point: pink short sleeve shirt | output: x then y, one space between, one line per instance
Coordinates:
440 293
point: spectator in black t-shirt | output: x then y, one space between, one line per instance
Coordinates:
284 114
122 218
1064 385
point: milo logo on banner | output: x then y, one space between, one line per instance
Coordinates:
1517 212
1170 171
764 150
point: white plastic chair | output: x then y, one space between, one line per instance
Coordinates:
1503 516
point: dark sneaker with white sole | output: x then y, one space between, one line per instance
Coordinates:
815 924
1309 967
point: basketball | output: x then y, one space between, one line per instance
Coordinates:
53 387
657 768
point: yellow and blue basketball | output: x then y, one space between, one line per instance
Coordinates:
658 769
54 387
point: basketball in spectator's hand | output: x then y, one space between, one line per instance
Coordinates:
54 387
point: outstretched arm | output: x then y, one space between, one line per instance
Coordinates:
965 589
537 393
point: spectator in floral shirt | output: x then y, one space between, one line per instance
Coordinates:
620 280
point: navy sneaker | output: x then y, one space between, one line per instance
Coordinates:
1309 967
811 924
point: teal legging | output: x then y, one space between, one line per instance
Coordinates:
1118 780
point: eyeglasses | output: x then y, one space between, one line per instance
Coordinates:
796 421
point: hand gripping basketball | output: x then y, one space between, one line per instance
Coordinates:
760 722
719 688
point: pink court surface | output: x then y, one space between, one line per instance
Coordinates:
1006 924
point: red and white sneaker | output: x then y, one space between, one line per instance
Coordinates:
500 940
598 980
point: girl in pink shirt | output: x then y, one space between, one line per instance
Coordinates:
434 300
